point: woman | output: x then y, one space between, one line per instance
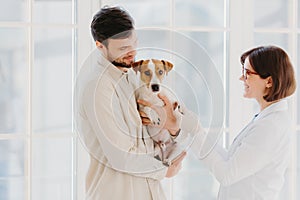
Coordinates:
255 163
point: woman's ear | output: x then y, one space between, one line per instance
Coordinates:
269 82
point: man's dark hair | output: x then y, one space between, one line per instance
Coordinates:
111 22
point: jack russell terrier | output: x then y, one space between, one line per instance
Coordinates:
151 75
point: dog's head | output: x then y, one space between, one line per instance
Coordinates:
152 73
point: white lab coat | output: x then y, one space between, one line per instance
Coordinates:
254 166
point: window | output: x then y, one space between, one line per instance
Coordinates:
44 42
37 62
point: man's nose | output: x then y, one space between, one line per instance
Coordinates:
132 53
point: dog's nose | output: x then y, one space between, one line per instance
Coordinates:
155 87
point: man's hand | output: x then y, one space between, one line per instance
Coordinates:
145 119
175 165
166 113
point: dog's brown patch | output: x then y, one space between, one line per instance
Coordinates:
146 73
162 67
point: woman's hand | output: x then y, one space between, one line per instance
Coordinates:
175 165
166 113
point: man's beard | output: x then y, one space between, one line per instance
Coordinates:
121 64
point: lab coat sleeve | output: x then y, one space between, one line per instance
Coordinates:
191 127
253 153
118 146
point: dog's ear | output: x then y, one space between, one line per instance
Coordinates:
155 61
136 66
168 66
146 62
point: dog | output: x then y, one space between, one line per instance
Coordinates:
151 75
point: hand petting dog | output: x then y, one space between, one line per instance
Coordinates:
169 120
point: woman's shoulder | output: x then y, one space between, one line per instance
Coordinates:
275 123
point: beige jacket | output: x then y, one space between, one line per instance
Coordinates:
122 163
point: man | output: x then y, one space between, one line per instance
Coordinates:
122 165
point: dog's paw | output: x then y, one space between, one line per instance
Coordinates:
153 116
166 162
157 157
180 109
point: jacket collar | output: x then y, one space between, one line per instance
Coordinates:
281 105
108 67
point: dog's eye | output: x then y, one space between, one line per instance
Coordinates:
147 73
160 72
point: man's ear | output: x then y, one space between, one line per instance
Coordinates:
269 82
99 44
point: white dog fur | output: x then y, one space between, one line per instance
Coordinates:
151 76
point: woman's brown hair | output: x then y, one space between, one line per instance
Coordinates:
273 61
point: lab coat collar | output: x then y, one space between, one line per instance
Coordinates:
281 105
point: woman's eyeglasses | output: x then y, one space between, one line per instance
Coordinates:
247 72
